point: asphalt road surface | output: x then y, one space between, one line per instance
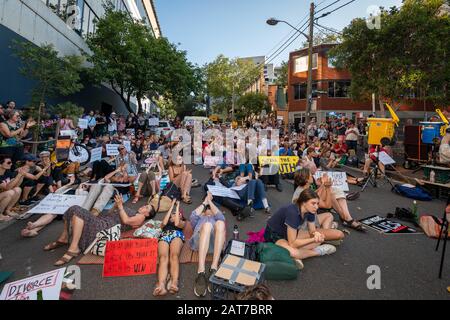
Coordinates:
409 265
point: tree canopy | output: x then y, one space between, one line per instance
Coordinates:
408 54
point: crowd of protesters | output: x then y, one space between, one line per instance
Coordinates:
305 227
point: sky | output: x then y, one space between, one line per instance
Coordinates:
237 28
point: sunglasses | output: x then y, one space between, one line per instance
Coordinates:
9 162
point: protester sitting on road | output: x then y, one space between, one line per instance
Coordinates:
85 227
208 223
269 175
340 151
138 149
128 158
373 159
32 229
182 178
284 229
149 181
169 248
9 189
333 198
32 175
308 160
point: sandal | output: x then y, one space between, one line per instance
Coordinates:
65 260
55 245
187 200
354 225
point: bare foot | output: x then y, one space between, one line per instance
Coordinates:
30 225
5 218
26 233
159 291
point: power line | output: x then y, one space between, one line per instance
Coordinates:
330 12
329 29
328 6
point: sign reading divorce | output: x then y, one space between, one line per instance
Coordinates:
112 149
26 289
286 164
339 179
130 258
57 203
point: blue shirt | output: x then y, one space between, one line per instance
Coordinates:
288 216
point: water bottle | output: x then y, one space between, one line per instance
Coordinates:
432 176
236 233
414 211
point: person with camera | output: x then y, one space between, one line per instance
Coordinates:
169 248
208 223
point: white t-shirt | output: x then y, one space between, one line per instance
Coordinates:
352 134
112 126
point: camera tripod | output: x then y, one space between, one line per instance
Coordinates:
373 176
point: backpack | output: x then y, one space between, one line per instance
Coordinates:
432 226
278 261
412 192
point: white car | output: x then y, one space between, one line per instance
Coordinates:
165 128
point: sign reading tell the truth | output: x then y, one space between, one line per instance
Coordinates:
130 258
286 164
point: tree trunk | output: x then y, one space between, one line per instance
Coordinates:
126 101
382 109
139 99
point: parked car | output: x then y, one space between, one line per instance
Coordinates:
165 128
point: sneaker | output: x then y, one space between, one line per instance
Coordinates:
325 249
25 202
299 264
268 210
279 187
210 273
335 243
200 285
34 199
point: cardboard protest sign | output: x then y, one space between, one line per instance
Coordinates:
339 179
82 123
96 154
26 289
221 191
286 164
385 226
211 161
112 149
150 158
130 258
127 145
57 203
153 122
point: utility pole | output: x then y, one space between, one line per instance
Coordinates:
310 54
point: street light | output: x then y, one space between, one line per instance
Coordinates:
274 22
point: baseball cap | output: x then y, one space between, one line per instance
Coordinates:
29 157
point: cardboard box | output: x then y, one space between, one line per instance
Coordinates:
240 271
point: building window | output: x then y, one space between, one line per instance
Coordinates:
300 91
339 89
301 63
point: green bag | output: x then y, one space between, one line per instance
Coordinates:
278 261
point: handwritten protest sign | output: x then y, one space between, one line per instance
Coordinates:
96 154
286 164
211 161
153 122
150 158
131 132
127 145
112 149
57 203
339 179
26 289
82 123
221 191
130 258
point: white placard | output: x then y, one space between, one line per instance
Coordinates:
127 145
112 149
26 289
385 158
68 133
239 188
131 132
339 179
96 154
57 203
237 248
221 191
153 122
82 123
211 161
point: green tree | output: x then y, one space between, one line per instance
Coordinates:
251 104
227 80
283 77
409 53
127 56
54 76
167 108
